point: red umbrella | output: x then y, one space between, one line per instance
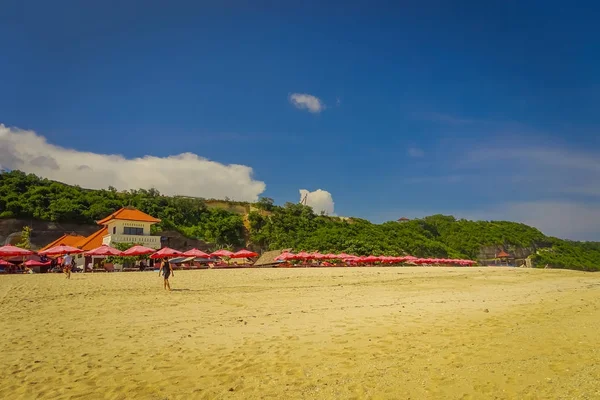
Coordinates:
370 259
285 256
138 251
104 250
61 250
196 253
166 252
344 255
244 254
34 263
304 255
330 256
318 256
14 251
5 264
221 253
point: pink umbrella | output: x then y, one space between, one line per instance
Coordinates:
370 259
104 251
5 264
304 255
221 253
318 256
34 263
166 252
14 251
137 251
344 255
61 250
330 256
196 253
285 257
244 254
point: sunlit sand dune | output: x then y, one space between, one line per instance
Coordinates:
338 333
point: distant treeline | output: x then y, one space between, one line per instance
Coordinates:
289 226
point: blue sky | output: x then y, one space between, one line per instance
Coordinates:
479 109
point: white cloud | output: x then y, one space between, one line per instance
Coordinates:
308 102
184 174
320 200
415 152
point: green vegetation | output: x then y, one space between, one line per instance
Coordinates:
25 242
296 226
289 226
28 196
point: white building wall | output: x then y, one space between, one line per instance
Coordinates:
116 234
117 227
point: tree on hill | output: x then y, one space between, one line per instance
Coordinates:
25 241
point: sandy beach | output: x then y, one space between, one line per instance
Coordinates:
336 333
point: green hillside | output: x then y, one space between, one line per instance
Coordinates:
289 226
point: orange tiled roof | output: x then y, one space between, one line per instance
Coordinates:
503 254
129 214
66 239
92 241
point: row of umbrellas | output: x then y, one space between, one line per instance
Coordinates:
349 258
105 250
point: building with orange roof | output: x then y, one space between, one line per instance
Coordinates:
68 239
92 241
502 254
129 214
129 225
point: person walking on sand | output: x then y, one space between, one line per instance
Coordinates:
166 270
67 265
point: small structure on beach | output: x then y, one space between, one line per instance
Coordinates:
504 257
267 259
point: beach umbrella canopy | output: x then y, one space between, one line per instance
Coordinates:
104 251
5 264
196 253
244 254
344 255
318 256
330 256
285 256
61 250
221 253
34 263
371 259
166 252
14 251
137 251
304 255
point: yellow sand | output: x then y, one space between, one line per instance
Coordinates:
337 333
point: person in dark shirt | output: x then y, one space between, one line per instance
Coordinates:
166 270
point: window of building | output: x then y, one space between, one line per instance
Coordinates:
114 230
133 231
